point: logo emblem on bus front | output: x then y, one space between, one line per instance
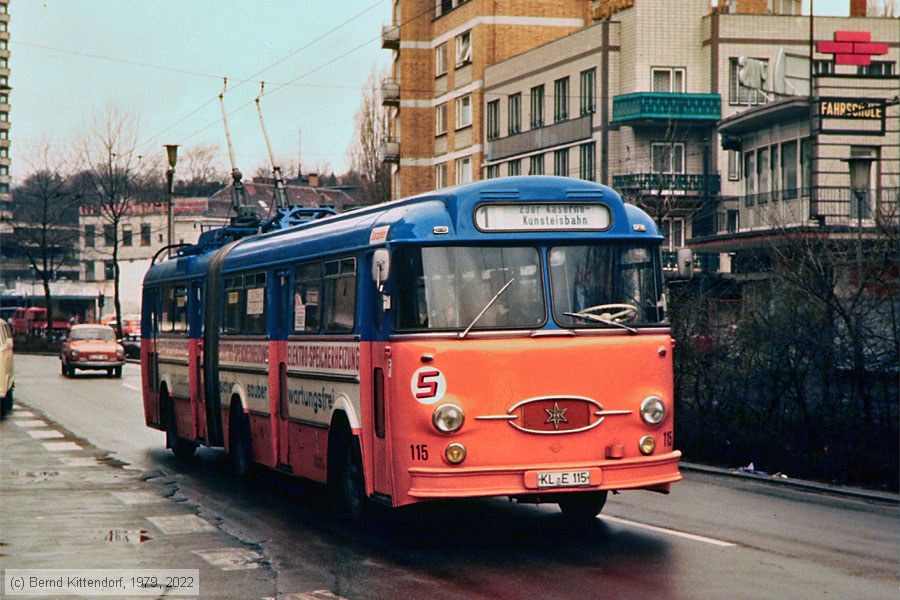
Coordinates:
550 415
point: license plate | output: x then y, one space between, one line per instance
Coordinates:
97 357
554 479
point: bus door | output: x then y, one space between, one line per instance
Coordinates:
282 298
381 373
195 367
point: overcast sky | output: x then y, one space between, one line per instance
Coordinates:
164 60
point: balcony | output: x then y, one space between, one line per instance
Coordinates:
390 92
649 108
564 132
667 182
390 151
390 36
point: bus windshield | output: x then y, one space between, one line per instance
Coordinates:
446 288
602 285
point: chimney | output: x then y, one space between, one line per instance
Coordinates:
858 8
313 179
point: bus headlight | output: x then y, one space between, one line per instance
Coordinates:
647 445
448 418
653 411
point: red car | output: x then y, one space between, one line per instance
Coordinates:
92 347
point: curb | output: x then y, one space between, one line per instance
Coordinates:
798 484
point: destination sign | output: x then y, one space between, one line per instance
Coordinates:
542 217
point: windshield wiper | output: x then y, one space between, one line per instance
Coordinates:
486 307
593 317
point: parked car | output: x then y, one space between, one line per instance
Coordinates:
92 347
131 325
33 321
132 345
7 375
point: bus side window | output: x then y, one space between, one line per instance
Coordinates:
255 321
340 295
235 303
174 310
307 291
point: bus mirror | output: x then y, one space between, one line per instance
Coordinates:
685 262
381 266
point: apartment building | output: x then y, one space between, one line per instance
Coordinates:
441 49
633 101
5 88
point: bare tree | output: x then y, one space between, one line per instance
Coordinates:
202 170
883 8
45 220
372 130
111 178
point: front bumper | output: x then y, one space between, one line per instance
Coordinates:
95 365
653 472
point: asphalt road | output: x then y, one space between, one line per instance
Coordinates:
712 537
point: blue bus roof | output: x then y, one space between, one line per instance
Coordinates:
440 217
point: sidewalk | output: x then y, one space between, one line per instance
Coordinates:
66 505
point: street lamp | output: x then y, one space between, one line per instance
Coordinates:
172 154
860 167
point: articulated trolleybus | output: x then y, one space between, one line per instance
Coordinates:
501 338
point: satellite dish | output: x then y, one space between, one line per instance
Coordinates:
777 78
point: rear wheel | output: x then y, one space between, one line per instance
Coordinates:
240 443
180 447
6 403
582 507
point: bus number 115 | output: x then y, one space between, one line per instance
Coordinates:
418 451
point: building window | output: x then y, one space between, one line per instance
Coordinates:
561 100
493 171
109 235
806 165
673 232
145 234
537 106
734 165
749 176
90 235
4 152
587 161
464 111
440 119
515 113
588 101
127 235
762 173
109 269
514 167
878 68
667 158
463 49
738 93
464 170
789 169
442 7
668 79
493 119
89 274
440 175
536 165
561 162
440 60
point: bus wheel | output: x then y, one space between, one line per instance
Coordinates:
582 507
6 403
181 448
240 444
353 483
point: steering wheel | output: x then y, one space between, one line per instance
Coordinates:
624 310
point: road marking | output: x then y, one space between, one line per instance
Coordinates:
230 559
22 414
44 434
61 446
30 423
315 595
689 536
181 524
131 387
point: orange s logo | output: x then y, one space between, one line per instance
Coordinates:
428 385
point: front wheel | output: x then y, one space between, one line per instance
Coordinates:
240 443
352 480
581 507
